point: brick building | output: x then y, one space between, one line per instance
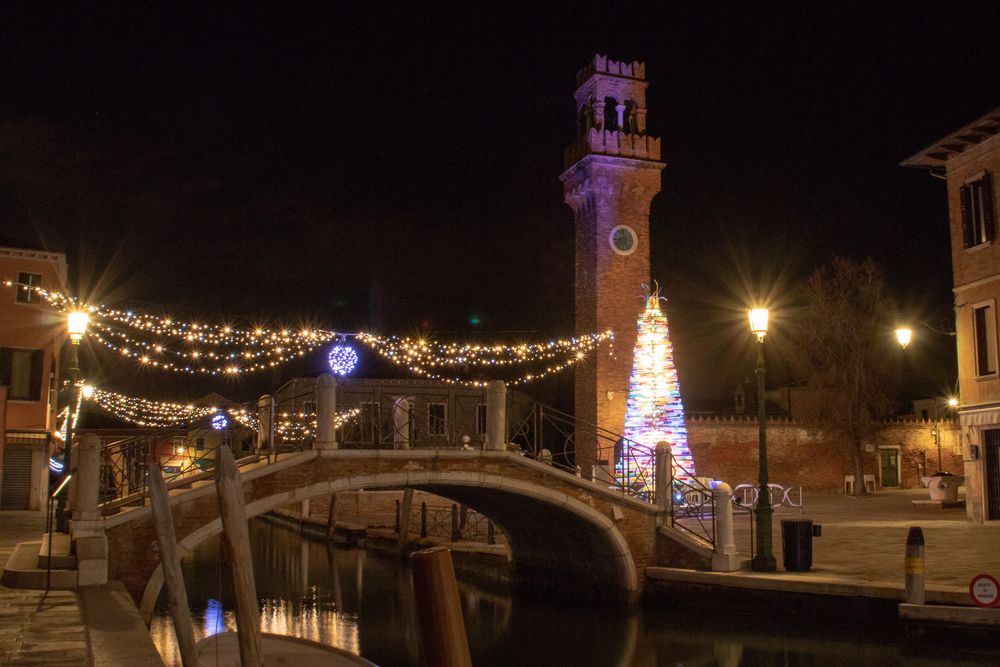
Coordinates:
968 160
31 335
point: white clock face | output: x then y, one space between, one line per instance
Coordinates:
623 240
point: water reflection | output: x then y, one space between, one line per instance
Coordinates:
363 602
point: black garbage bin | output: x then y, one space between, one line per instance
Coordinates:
796 544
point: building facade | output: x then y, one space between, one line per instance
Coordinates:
612 174
31 335
969 162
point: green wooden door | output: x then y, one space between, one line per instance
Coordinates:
890 467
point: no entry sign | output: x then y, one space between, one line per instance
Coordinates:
984 590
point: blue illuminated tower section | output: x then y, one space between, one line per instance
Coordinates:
654 411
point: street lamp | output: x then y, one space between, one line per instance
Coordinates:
904 336
952 402
763 560
76 326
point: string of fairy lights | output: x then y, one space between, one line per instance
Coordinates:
421 356
169 344
224 349
163 414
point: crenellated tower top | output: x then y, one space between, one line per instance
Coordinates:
611 112
601 65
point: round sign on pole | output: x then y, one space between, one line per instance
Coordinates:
984 590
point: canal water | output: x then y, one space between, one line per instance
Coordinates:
363 602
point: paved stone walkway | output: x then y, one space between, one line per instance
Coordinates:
37 628
864 539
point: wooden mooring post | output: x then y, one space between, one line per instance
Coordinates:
331 518
232 509
173 578
404 518
443 640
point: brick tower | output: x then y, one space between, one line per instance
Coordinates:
612 174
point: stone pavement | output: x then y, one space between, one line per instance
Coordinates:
37 628
864 540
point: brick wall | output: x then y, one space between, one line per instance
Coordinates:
726 449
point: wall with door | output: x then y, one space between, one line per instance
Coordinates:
803 455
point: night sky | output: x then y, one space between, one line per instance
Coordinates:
396 169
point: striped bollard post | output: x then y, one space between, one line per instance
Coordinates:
913 566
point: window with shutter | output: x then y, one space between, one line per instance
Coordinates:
978 224
21 371
985 333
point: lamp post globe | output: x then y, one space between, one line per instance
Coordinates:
763 560
903 336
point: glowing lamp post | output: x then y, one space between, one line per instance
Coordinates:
76 326
904 336
952 403
763 560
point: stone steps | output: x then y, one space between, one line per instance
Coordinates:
61 557
22 571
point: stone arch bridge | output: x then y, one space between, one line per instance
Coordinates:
565 532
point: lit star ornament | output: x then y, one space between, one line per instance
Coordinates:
343 359
219 422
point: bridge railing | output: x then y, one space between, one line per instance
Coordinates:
294 417
185 455
549 434
692 502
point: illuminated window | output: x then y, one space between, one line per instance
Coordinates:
437 418
21 371
976 195
24 293
985 330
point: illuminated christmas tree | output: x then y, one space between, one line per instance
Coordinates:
654 411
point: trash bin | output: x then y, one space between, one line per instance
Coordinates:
796 544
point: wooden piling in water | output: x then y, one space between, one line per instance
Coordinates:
331 517
173 578
443 640
232 509
404 518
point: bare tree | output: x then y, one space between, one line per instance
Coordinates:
843 349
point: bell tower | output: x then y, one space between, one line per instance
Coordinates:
612 174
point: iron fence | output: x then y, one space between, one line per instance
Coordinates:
184 455
456 523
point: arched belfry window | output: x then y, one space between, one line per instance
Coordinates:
611 114
631 117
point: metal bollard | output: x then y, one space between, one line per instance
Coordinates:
456 533
913 566
439 612
423 519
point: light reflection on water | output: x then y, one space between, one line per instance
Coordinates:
363 603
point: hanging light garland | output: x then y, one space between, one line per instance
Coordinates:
165 343
300 425
421 356
160 414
